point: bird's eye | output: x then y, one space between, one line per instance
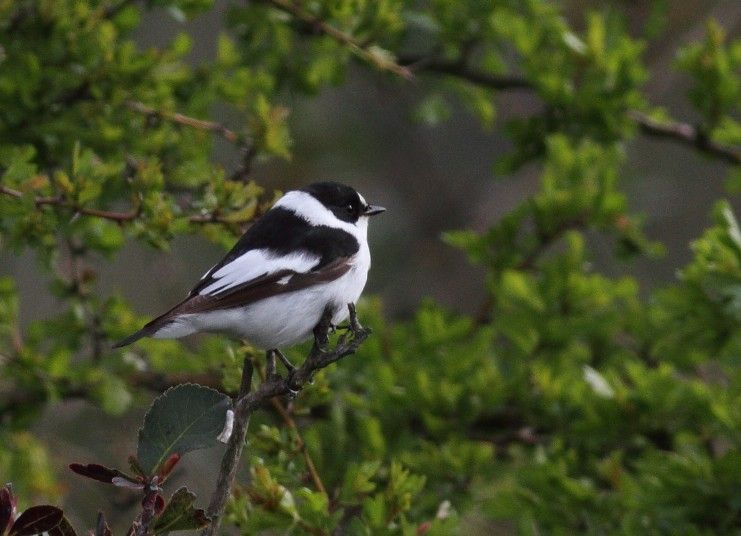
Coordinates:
350 208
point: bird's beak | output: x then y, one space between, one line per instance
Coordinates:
372 210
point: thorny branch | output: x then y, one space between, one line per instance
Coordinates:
320 356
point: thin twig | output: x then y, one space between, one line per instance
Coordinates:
248 401
461 70
141 524
61 202
246 146
687 134
301 444
175 117
78 274
380 60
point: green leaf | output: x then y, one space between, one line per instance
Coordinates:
186 417
180 514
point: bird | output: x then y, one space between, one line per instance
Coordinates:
306 255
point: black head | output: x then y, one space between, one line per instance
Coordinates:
344 202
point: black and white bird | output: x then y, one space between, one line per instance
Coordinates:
307 253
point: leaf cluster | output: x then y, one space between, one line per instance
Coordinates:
573 402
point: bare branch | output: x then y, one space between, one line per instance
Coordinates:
379 59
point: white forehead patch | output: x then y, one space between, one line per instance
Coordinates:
362 200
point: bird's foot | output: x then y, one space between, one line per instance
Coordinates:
270 373
355 326
292 393
290 367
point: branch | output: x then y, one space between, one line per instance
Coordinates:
140 527
687 134
175 117
248 401
673 130
379 59
319 358
61 202
288 420
247 148
230 461
118 217
459 69
112 10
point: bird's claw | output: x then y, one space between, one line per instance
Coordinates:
290 367
292 388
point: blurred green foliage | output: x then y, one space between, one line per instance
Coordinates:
572 403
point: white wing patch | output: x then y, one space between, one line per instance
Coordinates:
257 263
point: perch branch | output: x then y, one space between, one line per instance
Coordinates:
321 356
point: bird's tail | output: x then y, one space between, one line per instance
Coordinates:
131 338
160 328
147 331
